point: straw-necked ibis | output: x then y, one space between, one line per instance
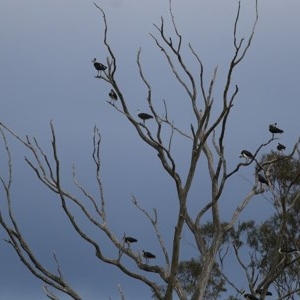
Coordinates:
288 250
145 117
247 154
249 296
98 66
129 240
274 129
260 291
113 96
148 255
262 179
280 147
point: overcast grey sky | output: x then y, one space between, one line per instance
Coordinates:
46 74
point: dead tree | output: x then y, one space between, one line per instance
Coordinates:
206 136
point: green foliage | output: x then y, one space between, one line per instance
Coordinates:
283 172
188 273
266 265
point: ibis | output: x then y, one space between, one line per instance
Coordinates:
98 66
260 291
145 117
148 255
129 240
113 96
280 147
274 129
262 179
288 250
247 154
250 297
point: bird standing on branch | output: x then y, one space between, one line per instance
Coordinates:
145 117
288 250
247 154
262 179
274 129
260 291
280 147
249 296
129 240
113 96
98 66
148 255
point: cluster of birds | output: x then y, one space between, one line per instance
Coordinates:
244 153
144 116
112 94
249 156
147 255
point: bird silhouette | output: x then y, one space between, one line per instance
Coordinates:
247 154
129 240
98 66
249 296
145 117
288 250
274 129
148 255
113 96
260 291
280 147
262 179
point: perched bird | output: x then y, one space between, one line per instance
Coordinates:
148 255
262 179
274 129
250 297
98 66
288 250
144 117
247 154
280 147
129 240
259 291
113 96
